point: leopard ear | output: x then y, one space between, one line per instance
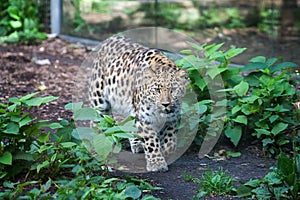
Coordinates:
181 75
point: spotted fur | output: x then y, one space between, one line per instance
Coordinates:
138 81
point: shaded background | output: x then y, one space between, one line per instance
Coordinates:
266 27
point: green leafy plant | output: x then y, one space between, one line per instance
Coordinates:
20 22
19 131
214 183
106 133
259 97
85 179
56 163
207 73
282 182
262 104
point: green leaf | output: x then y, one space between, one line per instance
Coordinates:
15 118
196 46
38 101
85 114
129 126
201 109
234 134
196 77
43 138
278 128
241 119
242 88
55 126
210 49
273 118
251 99
112 130
271 61
244 191
13 12
186 51
24 156
15 24
123 135
283 65
12 128
25 121
74 106
272 179
261 132
14 100
260 59
6 158
68 144
42 165
254 66
285 166
235 109
213 72
109 119
206 101
267 141
253 183
28 96
14 106
133 192
234 52
102 146
233 154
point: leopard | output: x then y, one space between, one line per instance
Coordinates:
135 80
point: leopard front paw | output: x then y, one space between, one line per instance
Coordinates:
137 148
136 145
158 164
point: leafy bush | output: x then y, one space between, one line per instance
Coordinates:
214 183
56 163
208 75
106 134
20 22
262 104
19 132
259 97
282 182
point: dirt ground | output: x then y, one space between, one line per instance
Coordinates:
21 73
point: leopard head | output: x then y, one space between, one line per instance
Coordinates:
165 86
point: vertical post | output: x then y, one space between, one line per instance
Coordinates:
156 18
56 16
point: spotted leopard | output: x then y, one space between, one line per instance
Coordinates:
142 82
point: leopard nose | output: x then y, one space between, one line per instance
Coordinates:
165 104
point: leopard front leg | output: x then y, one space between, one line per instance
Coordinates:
153 151
169 141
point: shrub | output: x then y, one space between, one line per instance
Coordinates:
259 97
19 132
282 182
20 22
214 183
56 163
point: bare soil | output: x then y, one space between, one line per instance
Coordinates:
20 75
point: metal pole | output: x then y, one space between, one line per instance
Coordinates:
56 16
